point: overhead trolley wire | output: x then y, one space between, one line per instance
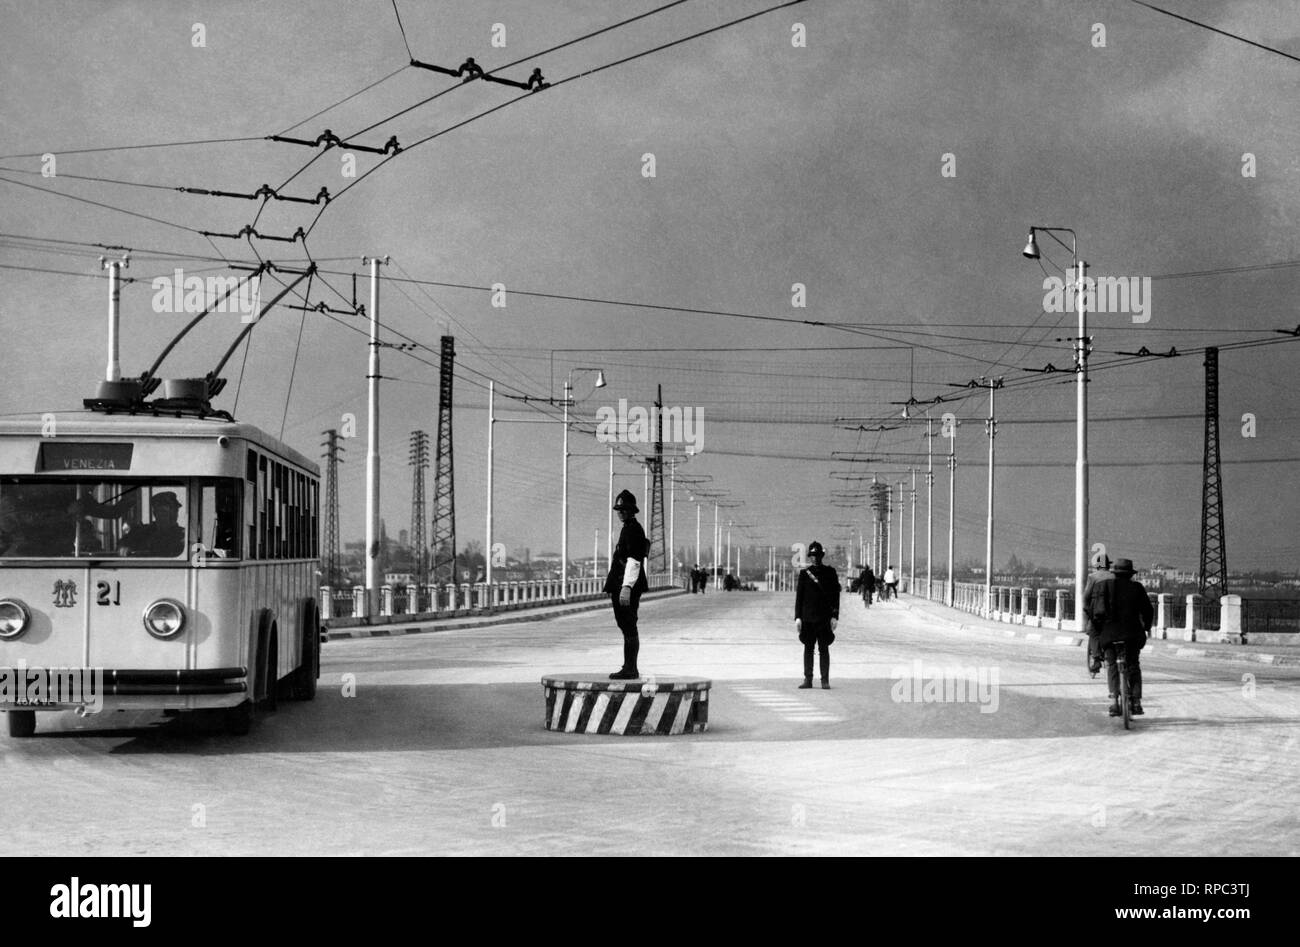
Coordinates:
553 85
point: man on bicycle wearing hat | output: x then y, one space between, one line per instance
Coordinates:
1122 611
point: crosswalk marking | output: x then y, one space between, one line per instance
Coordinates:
787 707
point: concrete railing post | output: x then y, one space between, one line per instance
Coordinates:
386 600
1024 606
1189 622
326 603
1161 627
412 599
1230 620
1060 607
359 601
452 604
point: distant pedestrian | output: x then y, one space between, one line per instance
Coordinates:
626 581
867 584
1122 609
1100 571
816 613
891 582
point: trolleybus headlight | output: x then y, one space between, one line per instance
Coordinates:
164 618
14 618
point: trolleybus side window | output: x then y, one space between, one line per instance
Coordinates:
219 514
283 507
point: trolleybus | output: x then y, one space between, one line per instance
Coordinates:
154 560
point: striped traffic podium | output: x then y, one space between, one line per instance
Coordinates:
577 704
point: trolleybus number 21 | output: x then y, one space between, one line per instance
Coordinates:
108 593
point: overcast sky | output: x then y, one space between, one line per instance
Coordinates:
775 164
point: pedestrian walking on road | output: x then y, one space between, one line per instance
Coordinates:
891 582
867 584
626 581
1122 609
816 613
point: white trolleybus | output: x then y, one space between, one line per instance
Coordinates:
154 556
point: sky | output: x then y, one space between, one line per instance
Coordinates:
891 167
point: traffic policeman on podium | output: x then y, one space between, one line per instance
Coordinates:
626 581
816 613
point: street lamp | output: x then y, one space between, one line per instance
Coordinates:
1081 433
564 522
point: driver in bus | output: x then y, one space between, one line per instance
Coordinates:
164 536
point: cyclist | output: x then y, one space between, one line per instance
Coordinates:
1101 571
1122 611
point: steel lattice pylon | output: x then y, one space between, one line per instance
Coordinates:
1214 555
419 462
658 536
330 548
443 536
881 508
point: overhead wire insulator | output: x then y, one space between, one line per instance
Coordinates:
249 231
331 140
265 191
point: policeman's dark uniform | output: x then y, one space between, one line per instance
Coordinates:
1121 609
632 547
816 605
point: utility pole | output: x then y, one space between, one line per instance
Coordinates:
374 568
911 572
901 504
991 425
929 507
949 595
492 420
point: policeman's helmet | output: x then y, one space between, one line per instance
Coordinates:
815 550
625 501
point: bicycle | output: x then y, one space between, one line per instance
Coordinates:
1125 695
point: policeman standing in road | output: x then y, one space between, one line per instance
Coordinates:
816 613
626 581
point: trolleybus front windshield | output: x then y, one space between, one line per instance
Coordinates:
45 517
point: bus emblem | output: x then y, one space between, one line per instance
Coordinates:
65 593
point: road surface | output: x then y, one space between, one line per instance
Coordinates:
434 744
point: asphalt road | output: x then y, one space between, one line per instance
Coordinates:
434 744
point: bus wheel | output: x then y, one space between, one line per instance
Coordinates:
22 723
239 719
302 683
